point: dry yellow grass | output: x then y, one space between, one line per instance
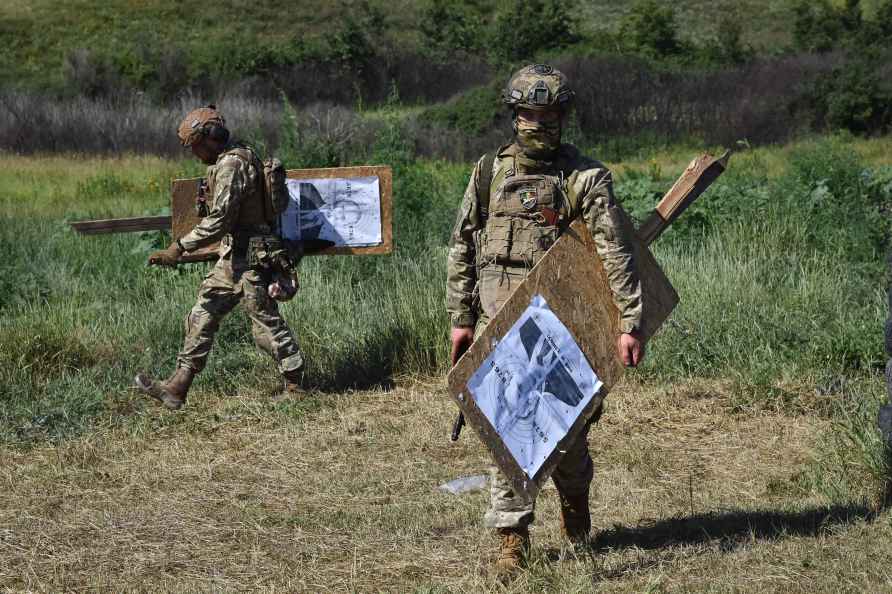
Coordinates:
338 494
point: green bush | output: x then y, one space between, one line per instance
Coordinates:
472 112
728 46
449 26
523 28
650 29
816 26
883 19
856 97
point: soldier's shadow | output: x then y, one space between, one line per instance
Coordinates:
371 364
725 531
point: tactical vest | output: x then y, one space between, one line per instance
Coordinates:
252 215
524 214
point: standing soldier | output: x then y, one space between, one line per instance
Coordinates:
252 269
518 201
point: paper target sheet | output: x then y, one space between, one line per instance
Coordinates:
534 385
346 211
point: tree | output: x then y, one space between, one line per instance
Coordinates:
727 47
818 26
525 27
650 28
451 26
883 20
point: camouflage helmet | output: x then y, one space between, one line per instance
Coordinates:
198 123
538 86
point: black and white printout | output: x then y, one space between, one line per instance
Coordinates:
346 211
534 385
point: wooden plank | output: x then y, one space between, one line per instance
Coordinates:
573 281
128 225
184 216
698 176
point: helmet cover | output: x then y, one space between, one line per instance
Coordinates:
197 123
539 87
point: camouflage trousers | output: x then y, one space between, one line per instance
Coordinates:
572 477
230 282
574 473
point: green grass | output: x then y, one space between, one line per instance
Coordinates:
742 456
781 277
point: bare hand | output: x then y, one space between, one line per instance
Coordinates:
283 289
461 340
631 349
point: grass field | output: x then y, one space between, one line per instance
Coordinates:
741 457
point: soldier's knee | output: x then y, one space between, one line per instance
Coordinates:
263 339
199 318
291 363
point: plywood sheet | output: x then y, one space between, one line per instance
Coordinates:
573 281
184 216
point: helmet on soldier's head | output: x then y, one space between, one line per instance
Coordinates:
538 86
200 122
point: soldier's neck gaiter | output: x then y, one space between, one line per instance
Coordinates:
538 140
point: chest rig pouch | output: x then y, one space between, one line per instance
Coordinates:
524 221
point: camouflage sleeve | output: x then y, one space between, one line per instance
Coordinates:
612 231
461 271
229 187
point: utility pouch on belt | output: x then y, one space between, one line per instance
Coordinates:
268 252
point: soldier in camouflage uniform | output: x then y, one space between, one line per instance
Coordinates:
517 203
238 217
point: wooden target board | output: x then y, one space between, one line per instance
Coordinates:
572 279
184 214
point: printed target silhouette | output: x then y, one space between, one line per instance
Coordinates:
318 215
522 397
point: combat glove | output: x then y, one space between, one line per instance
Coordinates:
167 257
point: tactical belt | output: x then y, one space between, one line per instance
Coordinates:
241 237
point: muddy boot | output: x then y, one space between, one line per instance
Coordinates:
513 551
576 522
172 391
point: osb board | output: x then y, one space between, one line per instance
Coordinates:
574 283
185 217
658 296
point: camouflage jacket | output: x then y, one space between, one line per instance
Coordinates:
235 186
587 186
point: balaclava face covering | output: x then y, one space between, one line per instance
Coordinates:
537 140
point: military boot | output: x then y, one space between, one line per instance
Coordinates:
513 551
172 391
292 389
576 521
